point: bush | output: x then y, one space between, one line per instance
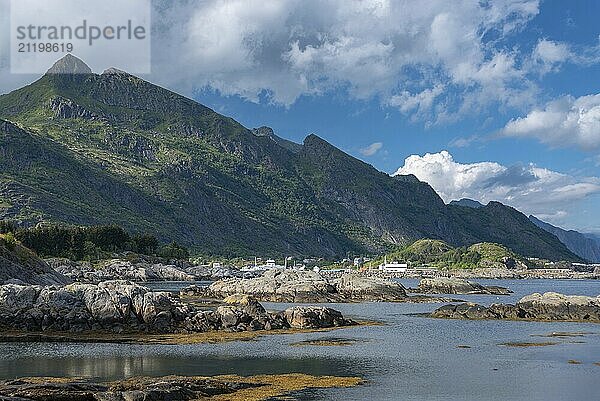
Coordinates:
10 241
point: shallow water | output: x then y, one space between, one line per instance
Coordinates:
409 358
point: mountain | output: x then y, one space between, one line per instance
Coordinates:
108 148
583 245
467 203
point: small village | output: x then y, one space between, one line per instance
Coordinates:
536 268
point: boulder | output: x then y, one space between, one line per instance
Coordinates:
550 306
314 317
450 285
555 306
355 287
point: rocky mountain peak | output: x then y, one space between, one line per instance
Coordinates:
263 131
69 64
467 203
114 71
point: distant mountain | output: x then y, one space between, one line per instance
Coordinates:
467 203
592 236
587 246
112 148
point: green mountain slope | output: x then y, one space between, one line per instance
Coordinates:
436 253
113 148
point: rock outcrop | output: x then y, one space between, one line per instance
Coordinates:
314 317
19 265
359 288
305 286
446 285
169 388
139 270
124 306
112 269
549 306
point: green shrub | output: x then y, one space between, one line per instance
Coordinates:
10 241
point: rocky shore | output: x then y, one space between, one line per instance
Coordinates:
168 388
121 306
448 285
549 306
305 287
139 269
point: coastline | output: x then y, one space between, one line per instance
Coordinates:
210 337
221 387
488 273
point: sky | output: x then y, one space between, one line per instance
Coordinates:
489 100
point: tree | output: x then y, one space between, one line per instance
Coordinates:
175 251
7 226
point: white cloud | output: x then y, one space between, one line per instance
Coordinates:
566 121
420 102
422 57
437 60
547 55
529 188
371 149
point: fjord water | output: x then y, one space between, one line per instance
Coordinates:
409 358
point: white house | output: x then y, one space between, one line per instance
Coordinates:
393 267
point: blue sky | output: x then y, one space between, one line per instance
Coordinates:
488 100
353 124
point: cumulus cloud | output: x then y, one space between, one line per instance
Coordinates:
566 121
436 61
529 188
371 149
435 57
548 55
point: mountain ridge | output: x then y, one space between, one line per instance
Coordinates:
583 245
155 160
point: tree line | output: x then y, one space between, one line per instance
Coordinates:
88 242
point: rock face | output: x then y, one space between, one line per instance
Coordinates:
121 305
445 285
549 306
308 286
20 265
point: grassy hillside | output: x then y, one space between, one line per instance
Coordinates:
113 148
436 253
